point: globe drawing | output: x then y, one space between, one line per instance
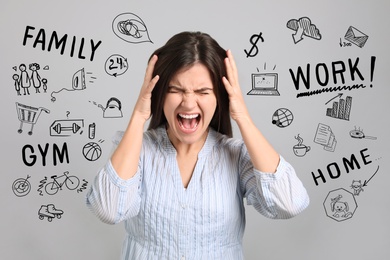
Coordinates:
282 117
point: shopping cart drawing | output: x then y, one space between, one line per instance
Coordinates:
29 115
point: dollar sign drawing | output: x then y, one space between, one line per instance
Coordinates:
254 39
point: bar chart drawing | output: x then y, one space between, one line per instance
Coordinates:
340 109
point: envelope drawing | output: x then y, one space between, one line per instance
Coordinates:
356 37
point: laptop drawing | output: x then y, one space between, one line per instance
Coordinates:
264 84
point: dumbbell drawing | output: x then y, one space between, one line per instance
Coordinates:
66 127
29 115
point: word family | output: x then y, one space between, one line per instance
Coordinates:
73 45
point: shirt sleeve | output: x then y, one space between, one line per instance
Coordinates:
111 198
279 195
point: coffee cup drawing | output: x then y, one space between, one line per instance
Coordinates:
300 150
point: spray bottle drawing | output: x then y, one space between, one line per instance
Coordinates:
91 131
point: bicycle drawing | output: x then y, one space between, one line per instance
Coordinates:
71 182
21 187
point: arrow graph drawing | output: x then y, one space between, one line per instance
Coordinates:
338 96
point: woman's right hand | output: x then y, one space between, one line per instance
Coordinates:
143 106
126 156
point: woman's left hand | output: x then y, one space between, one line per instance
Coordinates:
238 109
262 154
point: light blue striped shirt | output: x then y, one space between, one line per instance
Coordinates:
164 220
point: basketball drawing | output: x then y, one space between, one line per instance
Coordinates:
92 151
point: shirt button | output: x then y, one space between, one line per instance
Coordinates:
183 257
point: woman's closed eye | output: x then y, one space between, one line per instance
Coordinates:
203 91
173 89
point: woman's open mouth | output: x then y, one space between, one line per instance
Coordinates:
188 122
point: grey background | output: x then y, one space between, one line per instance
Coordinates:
311 235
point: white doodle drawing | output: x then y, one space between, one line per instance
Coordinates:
340 205
50 212
116 65
340 109
356 37
357 187
340 208
29 115
21 187
70 181
359 134
303 27
325 137
130 28
300 149
78 82
282 117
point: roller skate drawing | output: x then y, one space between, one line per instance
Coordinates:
50 212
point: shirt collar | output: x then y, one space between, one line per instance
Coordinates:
211 140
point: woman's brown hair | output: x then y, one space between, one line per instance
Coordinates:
182 51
